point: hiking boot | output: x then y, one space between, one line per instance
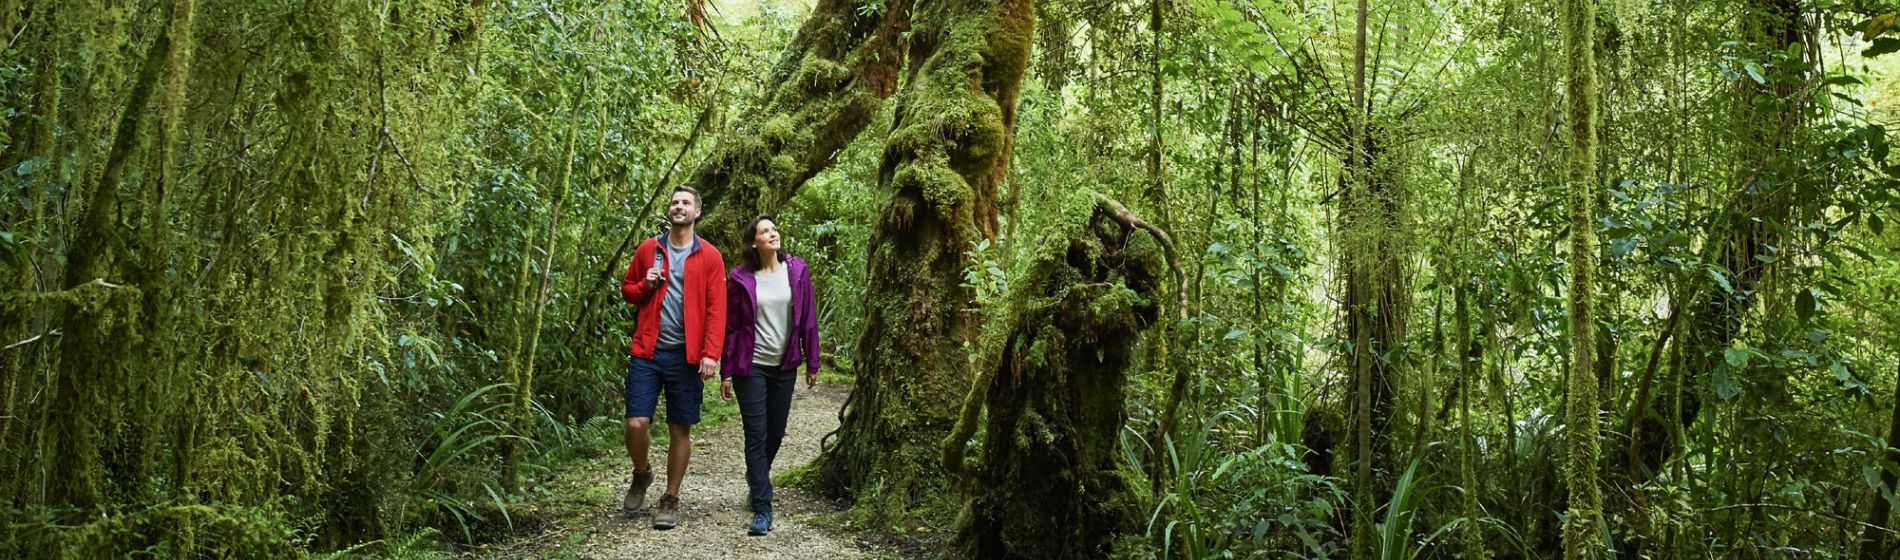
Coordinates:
668 515
636 499
761 524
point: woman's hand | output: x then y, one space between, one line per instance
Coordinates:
725 390
811 378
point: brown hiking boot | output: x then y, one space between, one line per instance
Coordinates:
636 499
668 515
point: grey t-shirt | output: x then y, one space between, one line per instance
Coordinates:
672 307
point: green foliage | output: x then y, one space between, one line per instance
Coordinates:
261 308
1222 502
300 273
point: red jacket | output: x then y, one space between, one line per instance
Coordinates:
703 303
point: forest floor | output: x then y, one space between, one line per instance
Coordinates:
584 521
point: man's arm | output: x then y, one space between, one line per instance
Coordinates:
715 341
716 310
633 287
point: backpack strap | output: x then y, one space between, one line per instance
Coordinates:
659 251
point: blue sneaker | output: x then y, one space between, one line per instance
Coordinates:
761 523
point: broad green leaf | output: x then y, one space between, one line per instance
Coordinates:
1721 279
1754 71
1843 81
1725 386
1804 304
1881 46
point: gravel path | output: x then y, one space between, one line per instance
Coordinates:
713 516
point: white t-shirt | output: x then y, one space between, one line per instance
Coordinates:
774 320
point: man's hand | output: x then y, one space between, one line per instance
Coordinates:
811 378
653 277
725 390
708 368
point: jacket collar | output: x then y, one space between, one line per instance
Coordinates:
665 244
794 268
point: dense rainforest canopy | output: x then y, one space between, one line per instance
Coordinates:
1143 279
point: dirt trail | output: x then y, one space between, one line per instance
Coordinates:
713 516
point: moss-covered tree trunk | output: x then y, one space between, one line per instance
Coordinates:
1583 522
36 145
1157 173
1050 482
945 156
1470 358
1357 308
1372 256
829 85
99 317
529 310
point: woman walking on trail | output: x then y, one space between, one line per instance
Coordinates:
771 325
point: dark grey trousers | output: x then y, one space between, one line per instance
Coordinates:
765 401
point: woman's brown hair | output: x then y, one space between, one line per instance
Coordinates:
750 256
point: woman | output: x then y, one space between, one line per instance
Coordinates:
771 325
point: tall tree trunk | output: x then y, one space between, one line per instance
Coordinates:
1582 539
1470 360
1470 356
1358 308
1055 395
829 85
38 144
1157 173
1267 406
1372 254
521 365
87 368
943 161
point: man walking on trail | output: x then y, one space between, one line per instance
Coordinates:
678 282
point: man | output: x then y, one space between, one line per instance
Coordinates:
678 282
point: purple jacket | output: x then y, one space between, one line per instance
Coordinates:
742 314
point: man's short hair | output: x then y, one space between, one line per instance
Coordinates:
689 190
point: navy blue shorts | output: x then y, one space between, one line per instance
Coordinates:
667 370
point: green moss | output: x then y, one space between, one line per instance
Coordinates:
819 74
1079 297
783 167
777 131
1009 36
940 186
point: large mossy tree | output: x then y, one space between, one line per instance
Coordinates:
942 163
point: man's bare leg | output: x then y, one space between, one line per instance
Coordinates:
677 451
637 443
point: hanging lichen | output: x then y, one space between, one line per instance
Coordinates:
212 306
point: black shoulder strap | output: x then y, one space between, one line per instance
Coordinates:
659 251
